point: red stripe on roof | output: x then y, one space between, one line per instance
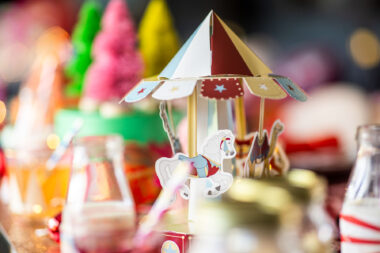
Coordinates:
225 57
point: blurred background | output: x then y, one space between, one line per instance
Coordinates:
338 40
330 48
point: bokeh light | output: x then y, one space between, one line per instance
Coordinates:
52 141
365 48
37 209
3 111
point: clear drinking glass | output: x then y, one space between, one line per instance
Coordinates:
34 190
360 215
99 215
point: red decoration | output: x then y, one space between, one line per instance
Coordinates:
210 170
355 240
222 88
176 241
225 57
53 227
2 164
242 147
326 143
358 222
139 168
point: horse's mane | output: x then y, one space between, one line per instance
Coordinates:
211 148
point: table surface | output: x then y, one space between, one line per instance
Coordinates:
21 232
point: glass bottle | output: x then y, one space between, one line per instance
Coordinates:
360 215
99 215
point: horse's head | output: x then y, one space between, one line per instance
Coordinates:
227 146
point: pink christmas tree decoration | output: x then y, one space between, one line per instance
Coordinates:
117 66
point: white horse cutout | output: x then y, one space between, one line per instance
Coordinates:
207 166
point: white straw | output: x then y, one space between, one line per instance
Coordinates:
64 144
179 177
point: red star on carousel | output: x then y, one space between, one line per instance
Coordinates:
141 91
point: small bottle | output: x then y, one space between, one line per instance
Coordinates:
360 215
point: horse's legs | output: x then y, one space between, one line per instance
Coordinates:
266 172
246 169
211 188
185 190
251 172
281 161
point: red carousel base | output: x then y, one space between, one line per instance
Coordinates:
176 239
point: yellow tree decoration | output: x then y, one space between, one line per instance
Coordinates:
158 39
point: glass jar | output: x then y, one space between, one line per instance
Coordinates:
253 216
318 230
99 215
235 227
360 215
302 230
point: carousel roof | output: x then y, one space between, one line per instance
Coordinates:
217 59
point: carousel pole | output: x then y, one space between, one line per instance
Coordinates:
261 119
241 131
170 113
196 189
261 135
241 125
192 123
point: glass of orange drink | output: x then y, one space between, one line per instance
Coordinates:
34 190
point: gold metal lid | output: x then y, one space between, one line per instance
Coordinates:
273 195
315 185
219 216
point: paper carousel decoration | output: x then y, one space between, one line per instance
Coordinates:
210 70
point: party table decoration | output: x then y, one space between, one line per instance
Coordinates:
158 39
82 39
210 70
33 191
261 152
117 65
207 166
40 95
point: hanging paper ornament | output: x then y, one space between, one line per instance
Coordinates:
222 88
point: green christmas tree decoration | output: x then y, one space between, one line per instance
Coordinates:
82 39
158 39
